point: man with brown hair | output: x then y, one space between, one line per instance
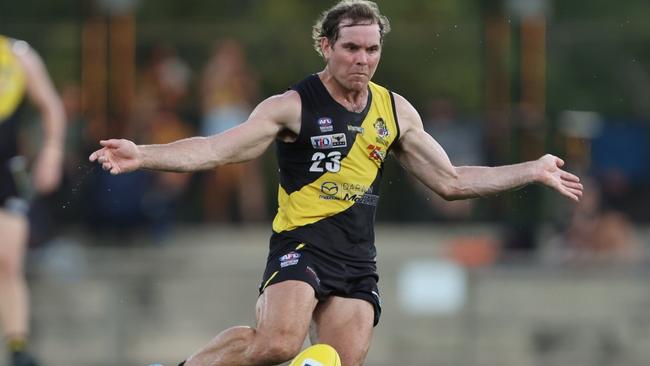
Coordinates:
333 131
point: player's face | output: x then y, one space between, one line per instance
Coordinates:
354 57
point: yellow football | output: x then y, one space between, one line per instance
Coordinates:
317 355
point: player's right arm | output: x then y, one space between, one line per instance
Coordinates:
271 118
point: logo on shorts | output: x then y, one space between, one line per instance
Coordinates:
329 141
325 124
313 273
289 259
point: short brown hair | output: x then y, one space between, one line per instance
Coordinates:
358 11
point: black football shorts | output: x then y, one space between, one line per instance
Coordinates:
9 198
329 277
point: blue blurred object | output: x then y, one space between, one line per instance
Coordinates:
116 201
622 147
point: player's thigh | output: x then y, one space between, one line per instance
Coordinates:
284 311
347 325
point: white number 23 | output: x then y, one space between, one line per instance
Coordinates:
330 162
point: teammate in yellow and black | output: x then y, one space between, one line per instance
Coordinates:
333 131
22 73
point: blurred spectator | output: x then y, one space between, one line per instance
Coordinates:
149 197
162 200
163 85
163 90
596 234
461 139
620 158
228 89
616 153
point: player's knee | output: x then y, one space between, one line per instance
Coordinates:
12 245
353 360
353 356
9 265
280 349
8 271
283 351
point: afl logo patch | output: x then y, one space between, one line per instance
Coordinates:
289 256
289 259
325 124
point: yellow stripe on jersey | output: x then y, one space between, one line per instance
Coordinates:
336 191
12 80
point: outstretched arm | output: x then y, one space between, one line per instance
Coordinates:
423 157
242 143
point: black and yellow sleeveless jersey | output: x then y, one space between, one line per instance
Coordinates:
12 93
330 176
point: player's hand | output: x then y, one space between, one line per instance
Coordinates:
48 169
117 156
552 175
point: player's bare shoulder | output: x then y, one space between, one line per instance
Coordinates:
407 116
284 110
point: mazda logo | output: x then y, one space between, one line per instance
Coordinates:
329 188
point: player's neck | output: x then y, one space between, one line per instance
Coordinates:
351 99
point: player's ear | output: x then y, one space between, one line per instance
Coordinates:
325 48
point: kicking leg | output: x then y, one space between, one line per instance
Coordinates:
347 325
284 311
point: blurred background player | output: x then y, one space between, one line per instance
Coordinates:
22 73
229 89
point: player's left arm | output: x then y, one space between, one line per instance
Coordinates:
41 92
422 156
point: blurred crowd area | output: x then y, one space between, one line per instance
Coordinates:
495 83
